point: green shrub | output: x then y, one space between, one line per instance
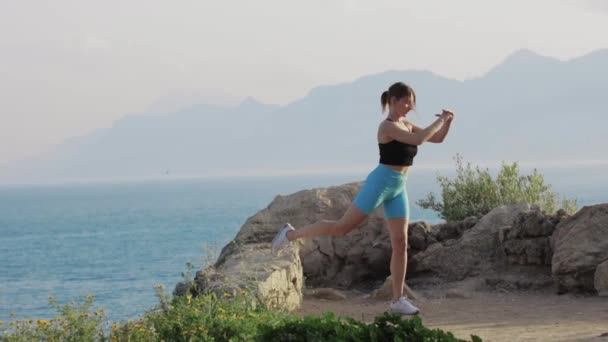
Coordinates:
76 322
473 192
207 318
328 327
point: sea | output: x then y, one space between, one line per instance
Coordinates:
117 240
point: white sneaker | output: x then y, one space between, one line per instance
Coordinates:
403 307
280 240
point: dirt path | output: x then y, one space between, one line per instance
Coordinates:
493 316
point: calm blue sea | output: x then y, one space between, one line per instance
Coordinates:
117 240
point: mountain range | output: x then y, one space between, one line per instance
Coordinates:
527 108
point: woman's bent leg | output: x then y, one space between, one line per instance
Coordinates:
351 219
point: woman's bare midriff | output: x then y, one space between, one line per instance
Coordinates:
398 168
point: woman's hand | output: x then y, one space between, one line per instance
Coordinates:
447 115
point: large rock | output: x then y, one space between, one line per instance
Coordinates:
534 251
526 242
420 235
275 282
580 245
476 251
453 230
361 255
601 279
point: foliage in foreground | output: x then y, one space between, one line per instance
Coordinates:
473 192
207 318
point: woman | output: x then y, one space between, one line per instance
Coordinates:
398 140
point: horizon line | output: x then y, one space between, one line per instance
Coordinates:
355 170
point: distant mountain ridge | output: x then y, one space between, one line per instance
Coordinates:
529 107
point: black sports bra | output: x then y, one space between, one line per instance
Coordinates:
397 153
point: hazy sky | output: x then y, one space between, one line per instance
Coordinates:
68 67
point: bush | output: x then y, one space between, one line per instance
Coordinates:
207 318
474 193
76 322
328 327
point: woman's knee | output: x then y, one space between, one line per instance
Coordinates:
399 242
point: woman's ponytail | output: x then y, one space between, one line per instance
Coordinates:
384 100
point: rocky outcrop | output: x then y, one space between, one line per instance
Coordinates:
453 230
359 257
580 245
512 247
476 251
275 282
526 241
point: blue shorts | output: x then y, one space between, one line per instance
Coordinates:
384 186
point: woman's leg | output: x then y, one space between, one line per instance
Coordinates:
396 211
397 228
349 221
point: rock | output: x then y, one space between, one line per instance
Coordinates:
276 282
476 251
181 289
534 223
453 230
535 251
580 245
346 261
601 279
419 234
356 259
325 293
526 241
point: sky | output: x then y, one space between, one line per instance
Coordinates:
70 67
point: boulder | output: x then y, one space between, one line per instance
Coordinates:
275 282
580 245
358 258
453 230
420 235
476 251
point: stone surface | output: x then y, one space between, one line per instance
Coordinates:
476 251
580 245
356 259
275 282
601 279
